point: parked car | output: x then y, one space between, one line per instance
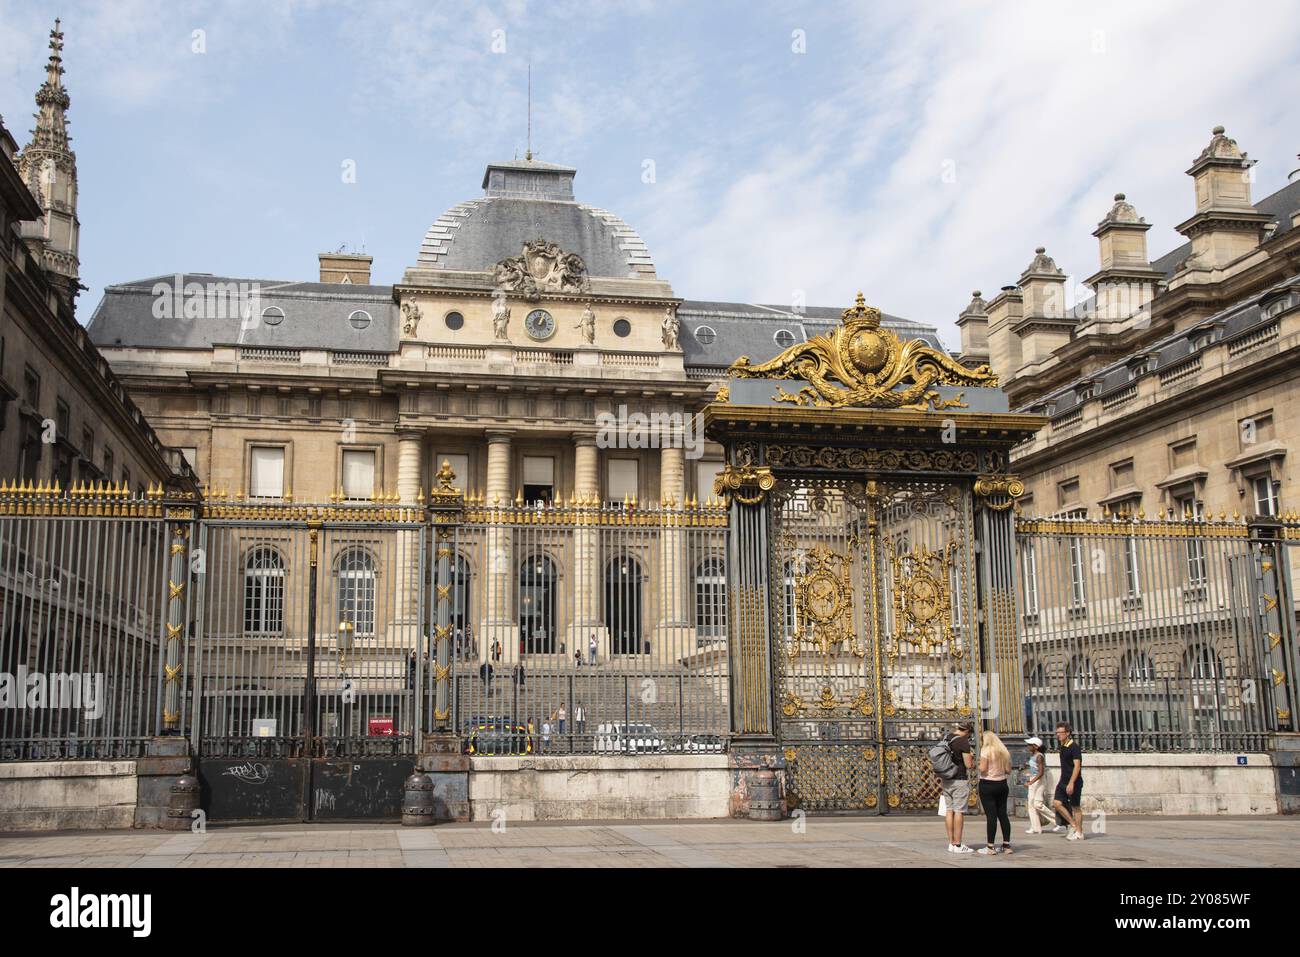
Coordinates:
617 737
705 743
498 736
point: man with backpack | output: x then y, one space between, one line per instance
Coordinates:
952 760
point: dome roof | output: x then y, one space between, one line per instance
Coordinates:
526 200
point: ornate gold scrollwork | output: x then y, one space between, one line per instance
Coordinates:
825 601
923 600
445 491
863 364
999 492
747 484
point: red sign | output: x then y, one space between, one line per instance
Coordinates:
382 726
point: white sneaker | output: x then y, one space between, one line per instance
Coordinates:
987 851
1058 828
962 849
1032 831
1075 836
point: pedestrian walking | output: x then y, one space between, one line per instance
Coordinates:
591 648
995 766
485 672
1069 789
577 658
496 650
1036 773
952 762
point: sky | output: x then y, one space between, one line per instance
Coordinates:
765 151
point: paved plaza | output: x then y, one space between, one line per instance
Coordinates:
823 842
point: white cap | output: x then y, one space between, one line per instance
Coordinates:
1037 742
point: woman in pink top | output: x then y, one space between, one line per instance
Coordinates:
995 765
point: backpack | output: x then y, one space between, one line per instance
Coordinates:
943 760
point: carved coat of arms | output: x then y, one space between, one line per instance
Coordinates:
542 267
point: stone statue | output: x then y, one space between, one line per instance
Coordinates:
541 267
670 328
500 318
587 325
411 316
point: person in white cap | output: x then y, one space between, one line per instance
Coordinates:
1036 769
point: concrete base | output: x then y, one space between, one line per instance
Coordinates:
1175 783
448 769
168 758
645 787
67 795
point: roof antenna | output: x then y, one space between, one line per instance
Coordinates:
528 153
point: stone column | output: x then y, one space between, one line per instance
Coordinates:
405 583
586 550
499 622
674 634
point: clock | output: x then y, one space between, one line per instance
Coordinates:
539 324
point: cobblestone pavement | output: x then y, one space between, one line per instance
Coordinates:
823 842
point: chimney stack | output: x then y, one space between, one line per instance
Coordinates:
353 268
1226 225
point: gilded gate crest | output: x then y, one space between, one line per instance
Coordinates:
863 364
923 600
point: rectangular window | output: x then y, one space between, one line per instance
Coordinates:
88 445
359 473
1068 492
705 473
32 387
1132 580
1121 474
459 466
266 472
1265 497
539 479
1189 507
1029 568
621 480
108 463
63 420
1182 454
191 455
1078 589
1257 428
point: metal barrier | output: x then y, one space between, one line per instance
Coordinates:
1155 635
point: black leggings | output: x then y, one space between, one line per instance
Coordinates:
993 796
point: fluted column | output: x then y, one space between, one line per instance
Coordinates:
405 584
673 634
586 549
499 622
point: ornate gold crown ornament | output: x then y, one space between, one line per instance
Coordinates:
863 364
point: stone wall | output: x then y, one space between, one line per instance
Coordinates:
67 795
595 788
1175 783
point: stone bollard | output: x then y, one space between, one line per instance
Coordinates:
417 801
764 796
182 803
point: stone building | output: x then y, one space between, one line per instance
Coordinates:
65 416
1173 386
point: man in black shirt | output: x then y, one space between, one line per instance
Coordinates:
1069 789
956 790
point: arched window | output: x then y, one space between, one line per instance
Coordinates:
355 577
711 599
623 580
1138 668
1203 664
1081 674
264 592
537 605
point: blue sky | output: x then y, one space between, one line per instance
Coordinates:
913 153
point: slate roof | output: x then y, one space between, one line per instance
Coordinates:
1279 206
316 315
748 329
1228 323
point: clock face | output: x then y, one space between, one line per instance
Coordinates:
540 324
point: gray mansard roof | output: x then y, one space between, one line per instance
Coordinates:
750 329
316 315
1230 323
524 200
1279 206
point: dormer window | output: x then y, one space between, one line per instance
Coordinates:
360 319
1275 308
1139 367
1083 392
1201 338
705 334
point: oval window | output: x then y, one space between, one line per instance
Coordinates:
454 321
705 334
784 338
273 315
360 319
622 328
